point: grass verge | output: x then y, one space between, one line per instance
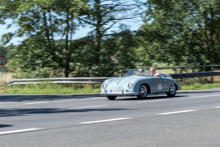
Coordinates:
79 89
50 91
198 86
45 88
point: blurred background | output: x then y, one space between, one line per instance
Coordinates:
97 38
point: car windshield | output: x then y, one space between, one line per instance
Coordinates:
139 72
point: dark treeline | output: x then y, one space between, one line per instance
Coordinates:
175 32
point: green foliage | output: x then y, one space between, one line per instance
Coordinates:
39 72
38 54
181 32
3 51
174 33
43 21
125 53
121 46
102 16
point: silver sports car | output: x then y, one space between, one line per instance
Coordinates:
139 84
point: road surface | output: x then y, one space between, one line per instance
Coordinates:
192 118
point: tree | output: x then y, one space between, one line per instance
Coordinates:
43 22
125 49
181 32
102 16
3 51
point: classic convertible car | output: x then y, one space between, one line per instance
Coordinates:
139 84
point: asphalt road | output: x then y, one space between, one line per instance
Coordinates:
191 119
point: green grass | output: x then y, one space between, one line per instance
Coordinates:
198 86
52 89
80 88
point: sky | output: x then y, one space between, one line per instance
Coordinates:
82 32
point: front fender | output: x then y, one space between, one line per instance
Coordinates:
139 83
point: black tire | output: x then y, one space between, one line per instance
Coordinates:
111 97
172 91
142 91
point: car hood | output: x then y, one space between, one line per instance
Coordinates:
124 80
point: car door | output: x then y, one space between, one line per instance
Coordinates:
166 83
157 84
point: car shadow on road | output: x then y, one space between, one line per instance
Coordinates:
5 126
25 112
24 97
149 98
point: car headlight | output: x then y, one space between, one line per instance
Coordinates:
130 85
104 85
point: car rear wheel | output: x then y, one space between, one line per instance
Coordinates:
111 97
172 91
142 91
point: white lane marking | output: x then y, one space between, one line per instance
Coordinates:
151 101
217 107
96 98
19 131
90 98
107 120
176 112
205 96
96 106
36 103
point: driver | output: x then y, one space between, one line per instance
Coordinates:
141 71
153 72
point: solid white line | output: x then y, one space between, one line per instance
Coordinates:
95 98
107 120
217 107
205 96
151 101
35 103
90 98
90 107
176 112
19 131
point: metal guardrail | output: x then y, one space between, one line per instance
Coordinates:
175 67
76 80
191 67
96 80
195 74
182 67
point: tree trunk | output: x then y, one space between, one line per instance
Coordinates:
98 31
46 27
208 48
212 32
67 55
51 24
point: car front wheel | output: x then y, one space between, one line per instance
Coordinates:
142 91
172 91
111 97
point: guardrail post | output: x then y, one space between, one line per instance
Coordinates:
181 71
212 69
1 78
